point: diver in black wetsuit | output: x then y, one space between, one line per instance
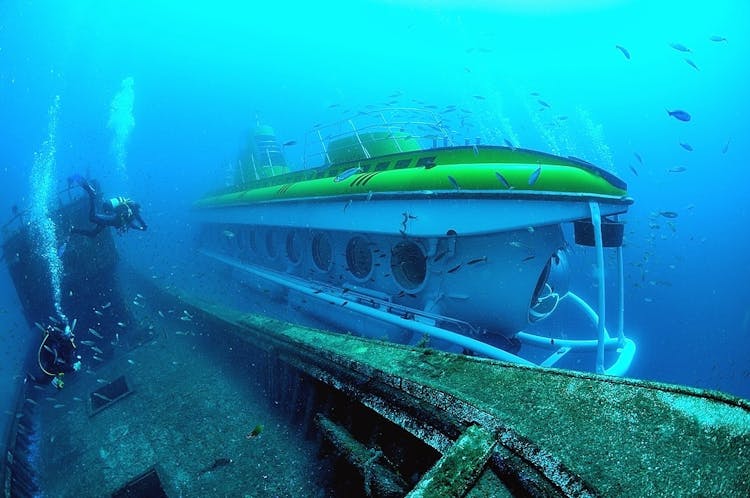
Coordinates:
119 212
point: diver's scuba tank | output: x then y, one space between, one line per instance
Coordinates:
112 204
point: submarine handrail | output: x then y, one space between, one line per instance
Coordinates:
389 118
475 345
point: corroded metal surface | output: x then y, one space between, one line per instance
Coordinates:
585 434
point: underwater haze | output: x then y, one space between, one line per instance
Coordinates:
155 99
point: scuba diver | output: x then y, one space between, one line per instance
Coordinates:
118 212
56 353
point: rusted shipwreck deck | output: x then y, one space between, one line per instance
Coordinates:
502 429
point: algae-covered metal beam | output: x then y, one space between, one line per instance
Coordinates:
379 479
457 470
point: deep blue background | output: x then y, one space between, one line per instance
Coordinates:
203 74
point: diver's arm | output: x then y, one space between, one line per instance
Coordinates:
141 224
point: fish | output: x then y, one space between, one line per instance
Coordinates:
680 114
543 103
679 47
139 296
686 146
479 97
638 156
49 350
131 362
534 94
59 405
677 169
218 463
669 214
61 249
97 350
31 401
477 260
97 358
535 175
289 143
692 64
228 234
508 143
717 38
346 174
623 50
95 333
101 396
528 258
454 182
108 304
87 343
454 269
186 318
161 314
726 147
502 180
97 312
102 381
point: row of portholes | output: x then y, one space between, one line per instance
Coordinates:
408 263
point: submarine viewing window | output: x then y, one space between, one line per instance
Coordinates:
408 265
321 251
271 249
252 241
359 257
294 247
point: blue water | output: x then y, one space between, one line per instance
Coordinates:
156 99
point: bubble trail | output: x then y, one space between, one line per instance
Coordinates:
43 229
122 122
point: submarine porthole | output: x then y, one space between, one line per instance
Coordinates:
321 251
271 249
252 242
294 247
359 257
408 265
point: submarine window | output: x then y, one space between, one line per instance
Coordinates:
404 163
408 265
382 166
271 249
252 241
321 251
294 247
359 257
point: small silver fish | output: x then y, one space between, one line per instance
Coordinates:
120 324
454 182
106 305
97 350
624 51
97 358
161 314
680 47
502 179
59 405
535 176
98 313
346 174
101 396
95 333
692 64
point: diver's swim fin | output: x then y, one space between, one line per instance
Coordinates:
80 180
